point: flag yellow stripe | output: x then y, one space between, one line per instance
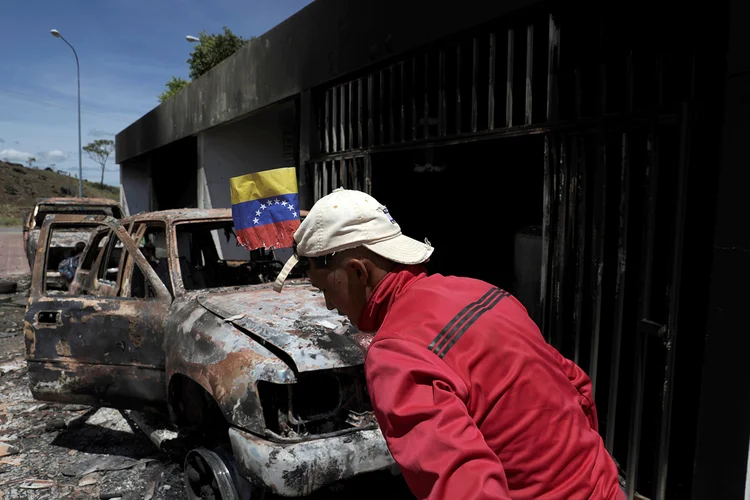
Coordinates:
263 184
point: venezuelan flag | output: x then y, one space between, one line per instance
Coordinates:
265 208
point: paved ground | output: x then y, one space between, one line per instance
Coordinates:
12 258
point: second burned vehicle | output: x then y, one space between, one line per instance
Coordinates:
64 243
167 314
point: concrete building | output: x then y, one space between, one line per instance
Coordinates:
608 139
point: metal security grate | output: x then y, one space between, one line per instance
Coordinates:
350 172
616 97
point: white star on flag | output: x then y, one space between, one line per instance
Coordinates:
284 203
255 221
257 212
294 214
276 202
263 207
291 207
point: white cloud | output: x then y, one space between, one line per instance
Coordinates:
55 155
96 132
14 155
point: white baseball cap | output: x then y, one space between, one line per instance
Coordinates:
346 219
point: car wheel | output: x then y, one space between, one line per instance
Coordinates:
212 475
7 286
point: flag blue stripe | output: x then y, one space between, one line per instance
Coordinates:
265 211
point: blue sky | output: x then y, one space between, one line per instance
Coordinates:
128 49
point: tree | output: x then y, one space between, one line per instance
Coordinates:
99 151
210 51
30 160
173 86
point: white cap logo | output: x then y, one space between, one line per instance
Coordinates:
387 214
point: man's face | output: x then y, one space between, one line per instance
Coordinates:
342 286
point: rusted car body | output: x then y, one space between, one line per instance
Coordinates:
201 337
65 241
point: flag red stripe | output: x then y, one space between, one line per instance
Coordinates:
276 235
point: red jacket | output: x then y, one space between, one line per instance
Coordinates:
472 401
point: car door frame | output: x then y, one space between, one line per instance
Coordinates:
96 349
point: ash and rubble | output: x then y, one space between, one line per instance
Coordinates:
51 451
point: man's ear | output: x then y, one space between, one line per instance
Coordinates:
359 269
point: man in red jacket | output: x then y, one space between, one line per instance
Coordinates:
472 402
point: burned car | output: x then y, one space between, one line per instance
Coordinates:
168 314
65 241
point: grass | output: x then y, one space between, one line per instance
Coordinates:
21 187
10 221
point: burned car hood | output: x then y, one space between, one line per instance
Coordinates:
295 322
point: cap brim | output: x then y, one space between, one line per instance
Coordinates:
279 283
402 250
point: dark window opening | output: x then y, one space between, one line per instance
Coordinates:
475 203
153 246
210 257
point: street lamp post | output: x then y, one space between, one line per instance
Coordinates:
57 34
193 39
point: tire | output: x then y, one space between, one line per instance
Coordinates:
8 286
212 474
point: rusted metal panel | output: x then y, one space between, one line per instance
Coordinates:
81 383
60 205
297 323
60 200
88 329
227 363
96 333
300 469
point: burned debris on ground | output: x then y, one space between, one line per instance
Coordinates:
50 451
